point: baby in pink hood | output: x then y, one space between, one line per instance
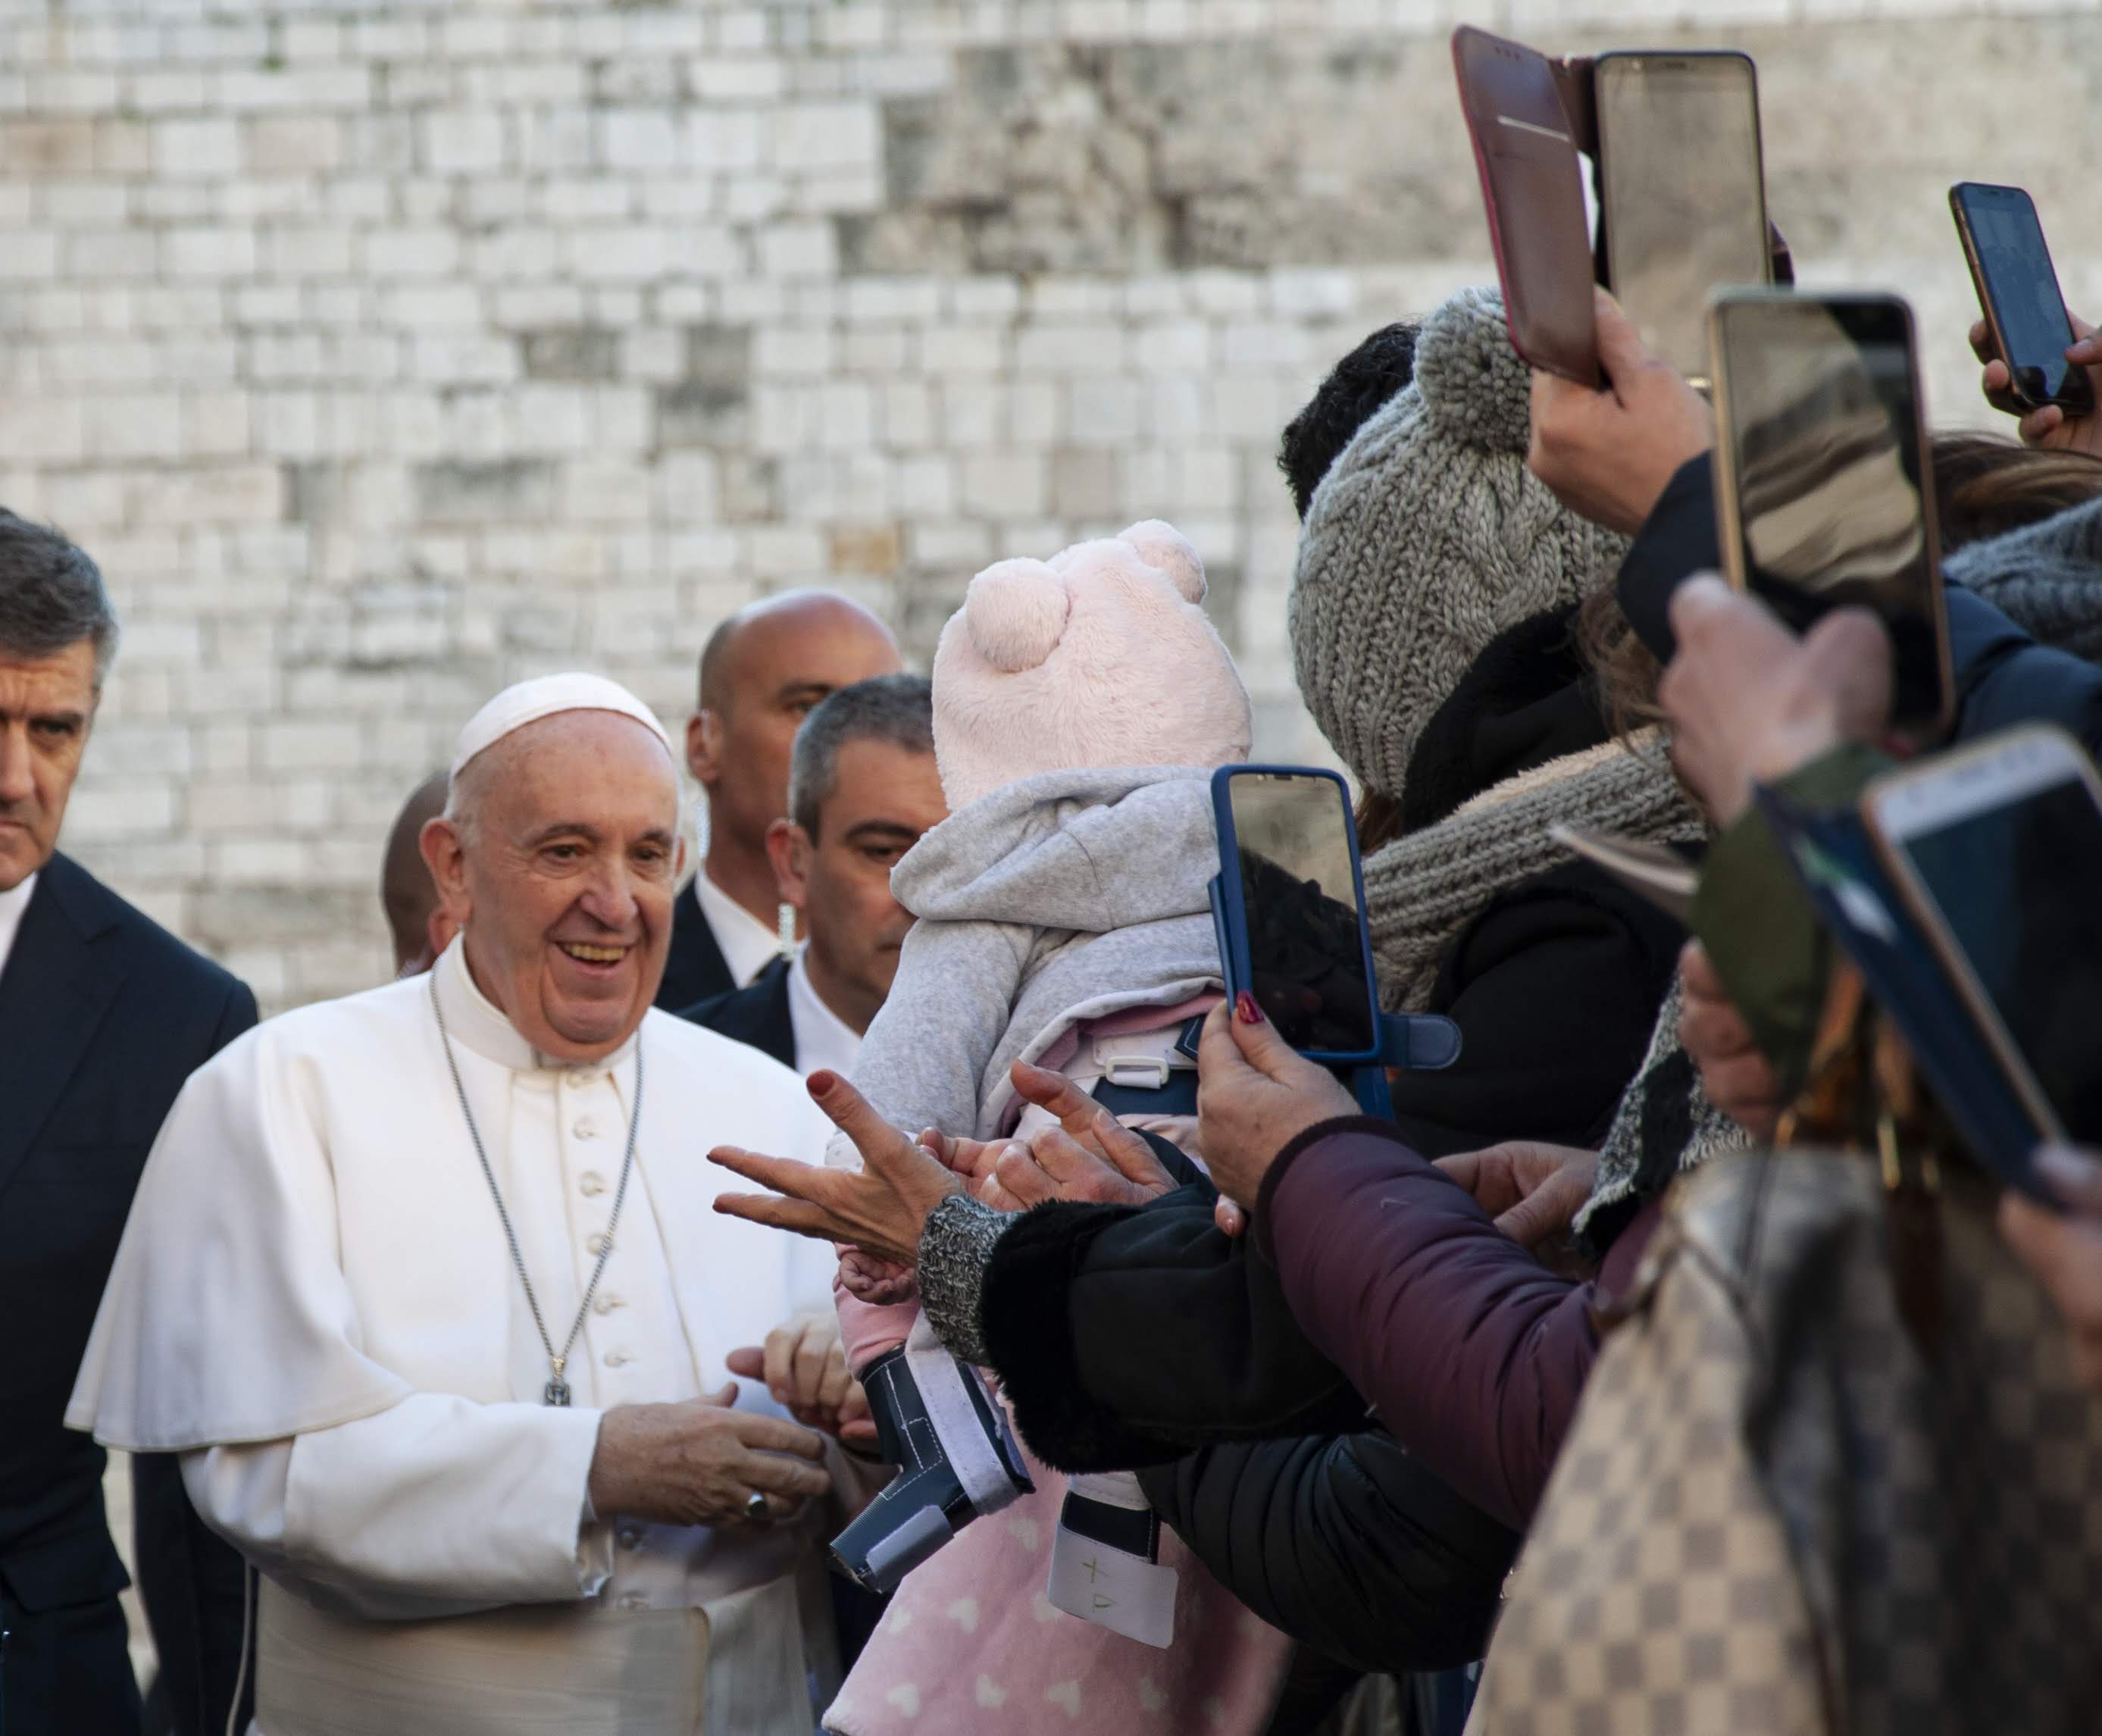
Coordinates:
1080 704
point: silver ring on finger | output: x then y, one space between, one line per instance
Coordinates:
755 1508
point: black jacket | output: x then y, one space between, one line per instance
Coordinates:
694 969
757 1015
102 1016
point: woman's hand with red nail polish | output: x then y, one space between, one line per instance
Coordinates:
1255 1094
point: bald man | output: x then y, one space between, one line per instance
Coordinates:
416 917
425 1288
763 671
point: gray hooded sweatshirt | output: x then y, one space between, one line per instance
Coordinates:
1062 897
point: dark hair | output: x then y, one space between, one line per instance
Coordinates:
1356 386
51 596
896 709
1985 486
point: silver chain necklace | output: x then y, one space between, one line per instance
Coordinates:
556 1392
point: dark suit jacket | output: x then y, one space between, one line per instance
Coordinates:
757 1015
695 970
103 1015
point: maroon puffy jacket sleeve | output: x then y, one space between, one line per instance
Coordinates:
1472 1354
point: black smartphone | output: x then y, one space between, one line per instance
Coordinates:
1997 849
2018 290
1823 496
1291 908
1682 191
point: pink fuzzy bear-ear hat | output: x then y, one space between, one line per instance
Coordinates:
1100 657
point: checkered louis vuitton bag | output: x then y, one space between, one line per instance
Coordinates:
1832 1472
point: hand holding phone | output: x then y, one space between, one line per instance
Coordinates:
2025 313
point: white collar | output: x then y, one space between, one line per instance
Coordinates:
822 1038
748 945
474 1021
13 904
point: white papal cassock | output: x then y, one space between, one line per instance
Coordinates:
315 1305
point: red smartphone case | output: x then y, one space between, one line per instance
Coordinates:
1526 152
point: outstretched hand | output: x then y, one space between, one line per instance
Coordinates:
1255 1094
880 1207
1533 1191
1089 1156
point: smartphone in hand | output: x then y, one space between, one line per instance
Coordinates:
1290 905
1682 191
1823 496
2018 290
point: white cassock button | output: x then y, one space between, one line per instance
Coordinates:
591 1184
583 1076
586 1129
617 1359
606 1304
594 1243
627 1537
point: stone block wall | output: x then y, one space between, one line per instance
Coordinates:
384 353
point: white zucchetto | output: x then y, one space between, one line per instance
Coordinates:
529 701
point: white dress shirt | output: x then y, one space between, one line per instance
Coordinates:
12 904
822 1038
748 945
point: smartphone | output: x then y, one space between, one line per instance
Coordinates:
2018 290
1291 908
1997 851
1682 191
1822 495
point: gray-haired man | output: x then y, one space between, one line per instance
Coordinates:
102 1016
862 788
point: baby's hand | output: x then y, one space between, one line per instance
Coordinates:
868 1279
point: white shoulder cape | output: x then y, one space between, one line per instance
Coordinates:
312 1239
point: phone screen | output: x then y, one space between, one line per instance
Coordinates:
1684 195
1825 450
2022 287
2015 884
1306 949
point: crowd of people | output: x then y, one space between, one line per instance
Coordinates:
469 1388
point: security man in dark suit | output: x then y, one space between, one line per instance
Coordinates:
102 1016
762 672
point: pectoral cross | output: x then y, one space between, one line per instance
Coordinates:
556 1392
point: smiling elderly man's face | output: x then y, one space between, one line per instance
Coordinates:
558 856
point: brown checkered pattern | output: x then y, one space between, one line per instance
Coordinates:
1774 1515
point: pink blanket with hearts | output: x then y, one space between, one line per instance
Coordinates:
971 1643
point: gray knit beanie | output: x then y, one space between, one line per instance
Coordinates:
1427 538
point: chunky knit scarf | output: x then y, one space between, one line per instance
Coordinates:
1665 1125
1424 889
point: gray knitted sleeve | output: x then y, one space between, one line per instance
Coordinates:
956 1248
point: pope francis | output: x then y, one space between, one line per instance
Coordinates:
425 1288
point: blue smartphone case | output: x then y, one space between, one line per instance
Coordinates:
1835 859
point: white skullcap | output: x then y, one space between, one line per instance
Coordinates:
528 702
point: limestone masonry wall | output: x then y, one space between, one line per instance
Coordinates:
384 353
